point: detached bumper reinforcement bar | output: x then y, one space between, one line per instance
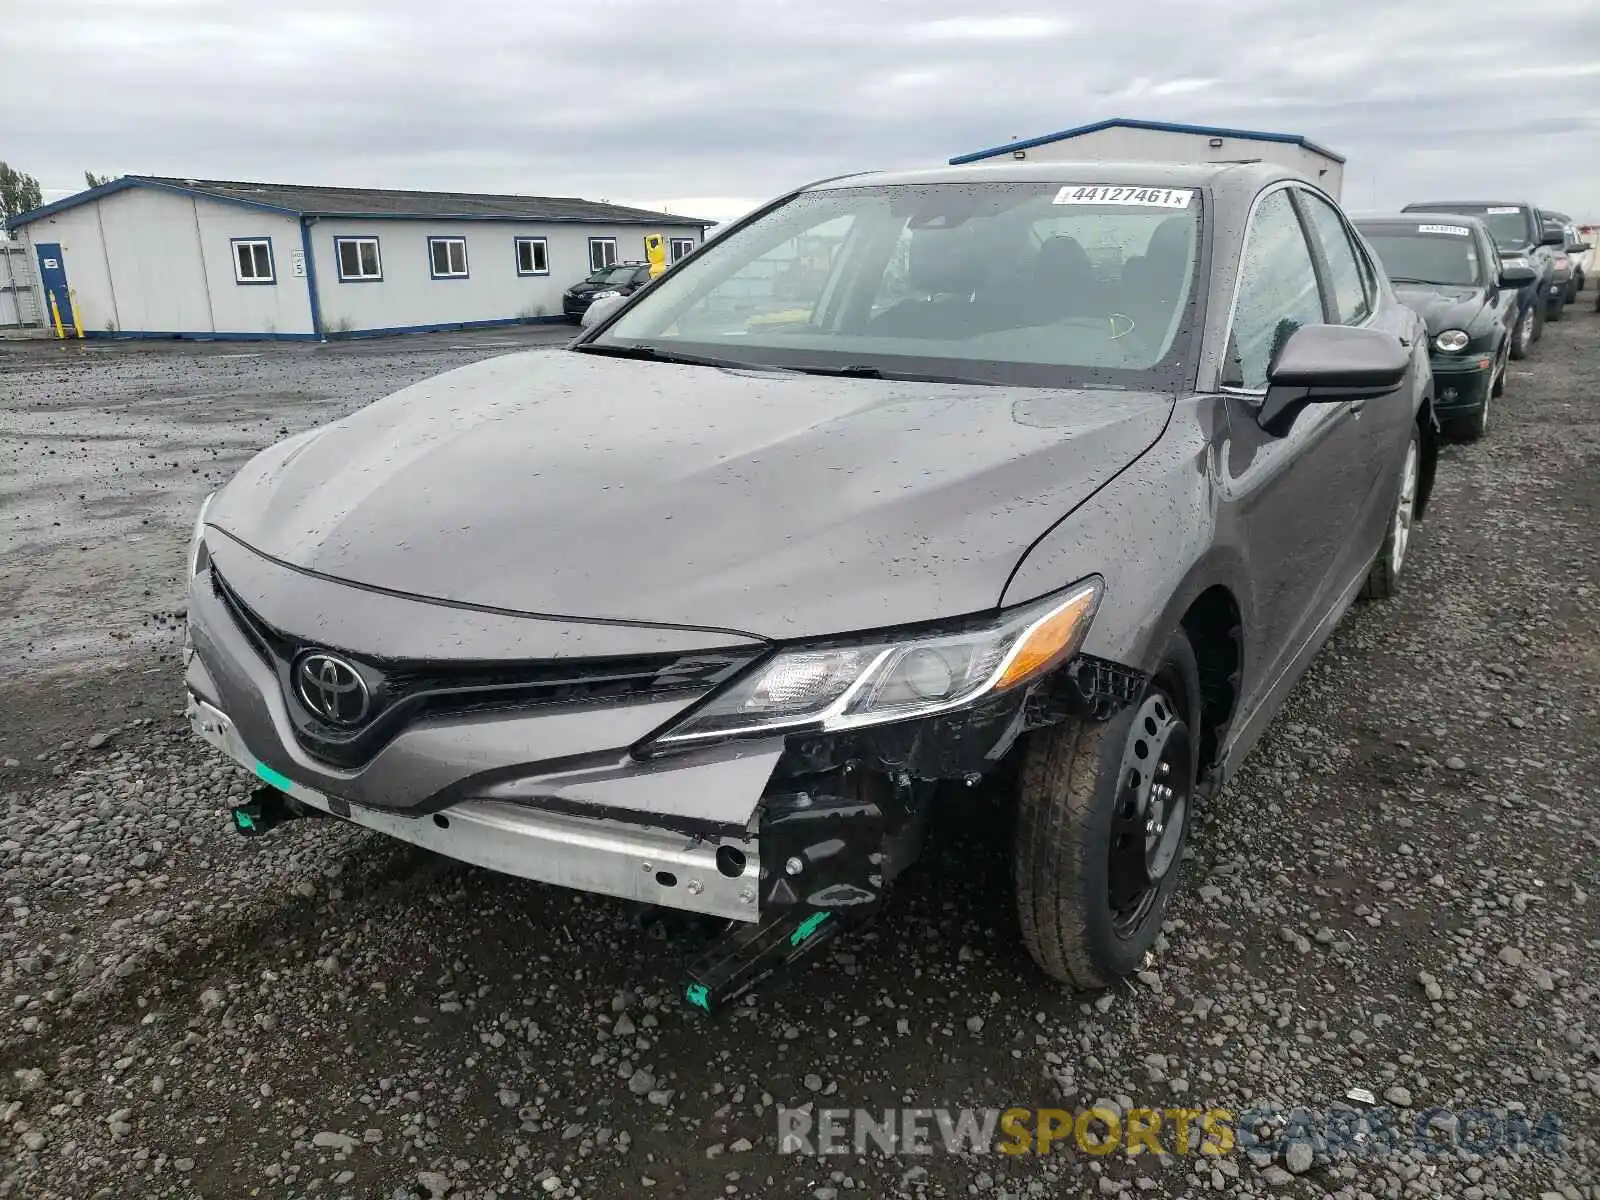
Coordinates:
633 862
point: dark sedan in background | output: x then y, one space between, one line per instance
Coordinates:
619 279
1518 229
1450 272
1053 475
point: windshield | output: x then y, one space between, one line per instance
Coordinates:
1032 283
1508 224
1440 254
618 275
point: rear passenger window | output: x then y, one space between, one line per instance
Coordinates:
1277 292
1352 302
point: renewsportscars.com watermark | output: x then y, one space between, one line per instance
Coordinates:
1214 1132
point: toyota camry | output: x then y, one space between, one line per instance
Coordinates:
1051 475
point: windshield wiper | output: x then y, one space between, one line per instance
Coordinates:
651 354
866 371
1423 282
857 370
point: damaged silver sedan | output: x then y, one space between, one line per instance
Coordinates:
1056 473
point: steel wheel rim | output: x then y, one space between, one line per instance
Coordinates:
1404 510
1152 809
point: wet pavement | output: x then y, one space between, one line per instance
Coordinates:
107 448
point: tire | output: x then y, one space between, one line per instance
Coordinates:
1080 781
1522 334
1538 324
1383 578
1498 387
1556 311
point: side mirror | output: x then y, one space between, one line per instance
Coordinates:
601 309
1554 235
1516 277
1579 248
1324 364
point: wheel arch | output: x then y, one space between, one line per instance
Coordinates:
1214 626
1209 608
1428 434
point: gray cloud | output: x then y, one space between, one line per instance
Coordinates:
711 106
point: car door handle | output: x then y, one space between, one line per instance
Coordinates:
1405 341
1357 407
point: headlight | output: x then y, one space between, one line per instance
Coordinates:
199 557
1452 340
845 687
605 295
1515 260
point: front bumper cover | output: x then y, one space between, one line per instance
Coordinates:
1459 383
557 794
614 858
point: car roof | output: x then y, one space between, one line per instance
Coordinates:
1243 176
1443 205
1404 218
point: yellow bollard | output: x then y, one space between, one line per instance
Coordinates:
55 317
77 321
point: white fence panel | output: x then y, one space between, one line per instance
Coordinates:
20 304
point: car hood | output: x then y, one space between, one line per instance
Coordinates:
1442 307
775 504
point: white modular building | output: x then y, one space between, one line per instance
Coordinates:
148 256
1120 139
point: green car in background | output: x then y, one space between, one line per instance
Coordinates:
1448 270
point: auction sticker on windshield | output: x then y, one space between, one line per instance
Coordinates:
1142 197
1458 230
1500 212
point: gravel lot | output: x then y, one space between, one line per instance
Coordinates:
1398 893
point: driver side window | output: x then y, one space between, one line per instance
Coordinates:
1278 292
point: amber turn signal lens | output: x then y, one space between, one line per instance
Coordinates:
1052 638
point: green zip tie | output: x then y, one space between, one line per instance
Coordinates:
281 782
807 927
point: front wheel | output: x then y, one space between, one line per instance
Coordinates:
1522 334
1473 428
1383 579
1557 310
1102 822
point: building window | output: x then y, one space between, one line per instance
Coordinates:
358 259
602 253
447 256
680 248
252 260
533 256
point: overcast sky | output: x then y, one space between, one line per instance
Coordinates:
710 106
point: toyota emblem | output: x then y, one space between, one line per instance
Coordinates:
332 689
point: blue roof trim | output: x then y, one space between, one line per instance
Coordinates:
45 210
329 215
1254 135
133 181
